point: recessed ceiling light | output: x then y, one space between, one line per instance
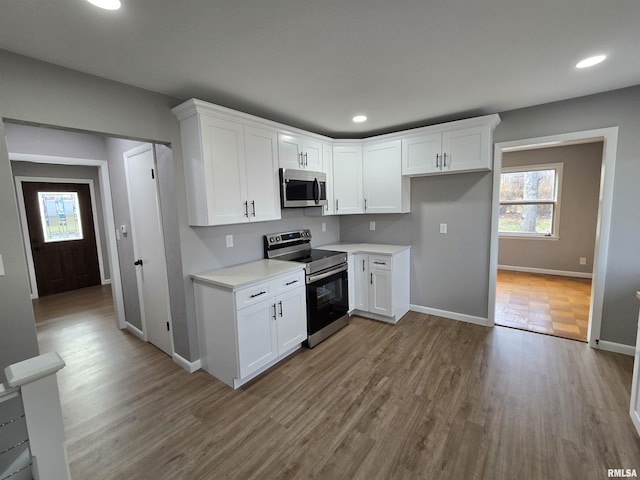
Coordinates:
591 61
360 118
106 4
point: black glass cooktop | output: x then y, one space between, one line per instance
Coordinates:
310 255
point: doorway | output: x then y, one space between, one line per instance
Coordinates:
547 227
609 138
61 226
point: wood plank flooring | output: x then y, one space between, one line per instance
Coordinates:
548 304
428 398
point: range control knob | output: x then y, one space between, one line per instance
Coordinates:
278 238
271 239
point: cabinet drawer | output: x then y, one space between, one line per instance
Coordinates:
289 282
254 294
381 262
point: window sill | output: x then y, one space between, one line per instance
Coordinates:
528 237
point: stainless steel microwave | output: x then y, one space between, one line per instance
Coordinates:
302 188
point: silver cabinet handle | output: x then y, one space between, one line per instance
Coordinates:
365 203
306 160
258 294
444 160
291 282
380 263
274 311
246 209
437 160
253 208
336 204
300 159
280 304
371 278
363 264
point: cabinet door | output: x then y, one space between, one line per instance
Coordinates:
327 167
224 170
382 177
466 150
380 292
257 343
263 190
289 149
291 320
351 281
312 155
421 155
347 179
361 278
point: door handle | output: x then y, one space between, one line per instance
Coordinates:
138 262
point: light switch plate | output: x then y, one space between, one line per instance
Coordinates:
372 226
229 241
324 227
443 228
1 267
583 260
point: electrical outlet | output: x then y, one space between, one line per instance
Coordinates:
443 228
372 226
583 260
324 226
229 241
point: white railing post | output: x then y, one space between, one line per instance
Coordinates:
43 414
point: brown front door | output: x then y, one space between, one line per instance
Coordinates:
63 240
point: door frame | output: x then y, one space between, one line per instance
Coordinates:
136 245
609 137
107 216
19 180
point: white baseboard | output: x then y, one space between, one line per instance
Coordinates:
461 317
107 281
135 330
616 347
545 271
186 364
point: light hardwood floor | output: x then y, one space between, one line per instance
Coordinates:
428 398
548 304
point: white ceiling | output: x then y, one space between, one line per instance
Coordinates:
316 63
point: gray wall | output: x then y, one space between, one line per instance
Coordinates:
621 108
58 143
448 271
578 210
17 324
115 147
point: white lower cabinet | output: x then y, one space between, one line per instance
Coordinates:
244 332
381 285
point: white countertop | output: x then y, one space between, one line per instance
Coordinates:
372 248
239 276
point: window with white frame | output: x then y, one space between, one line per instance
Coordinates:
530 200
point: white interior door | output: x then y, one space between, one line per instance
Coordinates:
148 246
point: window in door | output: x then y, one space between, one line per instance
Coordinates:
60 216
530 201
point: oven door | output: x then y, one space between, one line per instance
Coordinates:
327 298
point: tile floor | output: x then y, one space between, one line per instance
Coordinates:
547 304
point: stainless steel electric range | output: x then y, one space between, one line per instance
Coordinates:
326 281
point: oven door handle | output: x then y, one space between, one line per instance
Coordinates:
320 276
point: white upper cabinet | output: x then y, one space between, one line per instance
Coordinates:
456 147
327 167
231 168
261 154
385 189
347 179
297 151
